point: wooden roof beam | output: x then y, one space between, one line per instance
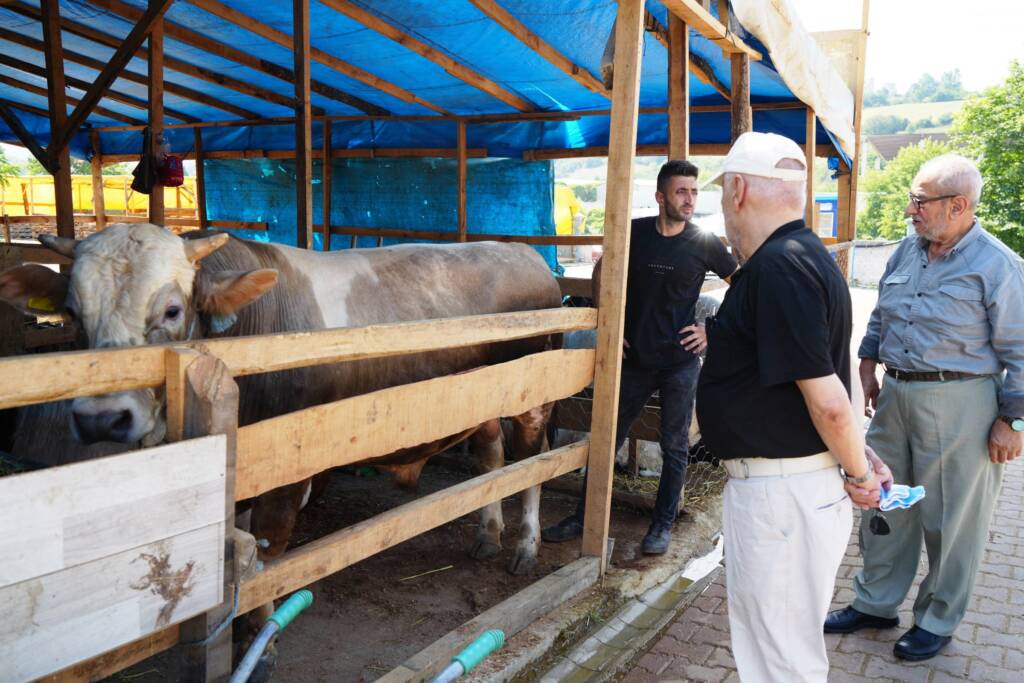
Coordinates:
173 88
18 128
113 68
507 21
456 69
36 90
698 65
178 65
84 86
693 14
237 18
228 52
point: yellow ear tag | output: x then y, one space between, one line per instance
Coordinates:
41 303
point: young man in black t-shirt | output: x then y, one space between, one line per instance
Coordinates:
668 259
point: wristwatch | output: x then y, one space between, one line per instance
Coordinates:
1016 423
862 478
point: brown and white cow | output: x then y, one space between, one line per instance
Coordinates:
141 284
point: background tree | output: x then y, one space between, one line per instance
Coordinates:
991 128
8 169
887 191
886 124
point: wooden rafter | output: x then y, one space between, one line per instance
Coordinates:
18 128
83 86
698 65
694 14
111 71
36 90
507 21
171 63
98 65
194 39
229 14
456 69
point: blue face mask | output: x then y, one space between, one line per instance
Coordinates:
900 496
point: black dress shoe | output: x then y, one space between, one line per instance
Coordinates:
917 644
566 530
656 541
848 620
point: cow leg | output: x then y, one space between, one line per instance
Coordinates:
272 520
528 439
490 455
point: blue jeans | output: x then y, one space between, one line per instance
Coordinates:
677 388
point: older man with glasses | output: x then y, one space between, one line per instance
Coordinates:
949 329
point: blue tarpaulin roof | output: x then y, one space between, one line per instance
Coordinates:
456 28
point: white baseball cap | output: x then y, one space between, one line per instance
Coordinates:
759 154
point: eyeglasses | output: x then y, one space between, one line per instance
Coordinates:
879 525
919 201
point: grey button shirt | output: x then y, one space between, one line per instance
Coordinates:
964 312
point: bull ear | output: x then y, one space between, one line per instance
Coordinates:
65 246
34 289
198 249
224 293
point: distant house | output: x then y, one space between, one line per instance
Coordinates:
888 146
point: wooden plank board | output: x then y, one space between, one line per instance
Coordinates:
64 516
56 620
51 377
694 14
810 135
341 549
298 445
100 553
511 616
678 89
303 126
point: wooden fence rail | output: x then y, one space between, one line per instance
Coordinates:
53 377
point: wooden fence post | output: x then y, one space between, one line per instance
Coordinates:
211 407
621 153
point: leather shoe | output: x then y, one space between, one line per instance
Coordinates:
656 541
566 530
848 620
918 644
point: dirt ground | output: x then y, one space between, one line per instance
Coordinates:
369 618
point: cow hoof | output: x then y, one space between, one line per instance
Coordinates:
484 550
522 564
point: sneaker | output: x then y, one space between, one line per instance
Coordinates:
566 530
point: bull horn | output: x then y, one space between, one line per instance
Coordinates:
198 249
65 246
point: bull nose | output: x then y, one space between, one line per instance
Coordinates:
108 425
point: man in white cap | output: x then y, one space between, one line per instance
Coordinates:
774 403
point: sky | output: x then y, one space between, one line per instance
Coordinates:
908 38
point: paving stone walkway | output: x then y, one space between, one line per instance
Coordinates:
988 646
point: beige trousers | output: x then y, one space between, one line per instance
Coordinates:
785 537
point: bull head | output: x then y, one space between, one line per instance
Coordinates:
132 285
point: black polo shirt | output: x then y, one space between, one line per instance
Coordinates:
787 316
664 282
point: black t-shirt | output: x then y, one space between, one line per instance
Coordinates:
787 316
665 278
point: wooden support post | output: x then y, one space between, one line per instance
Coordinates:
59 154
742 115
303 127
200 180
461 145
156 110
98 205
618 207
325 182
850 232
678 88
211 407
810 143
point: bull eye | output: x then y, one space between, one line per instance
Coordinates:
172 312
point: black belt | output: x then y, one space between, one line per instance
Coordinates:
940 376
